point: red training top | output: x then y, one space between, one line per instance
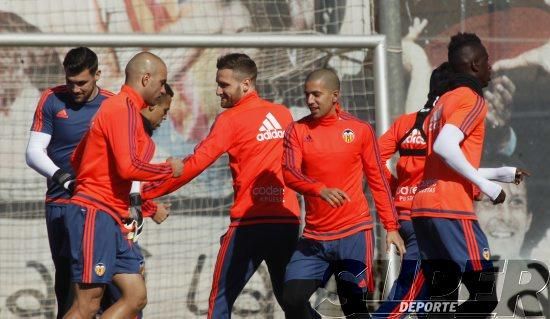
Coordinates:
443 192
403 137
336 152
115 151
251 132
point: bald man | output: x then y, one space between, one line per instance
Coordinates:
452 245
115 151
326 156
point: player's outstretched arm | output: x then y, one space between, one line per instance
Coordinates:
218 141
447 146
505 174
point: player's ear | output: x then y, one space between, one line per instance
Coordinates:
145 78
474 65
245 84
335 96
97 75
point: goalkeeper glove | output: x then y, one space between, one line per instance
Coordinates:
64 180
136 215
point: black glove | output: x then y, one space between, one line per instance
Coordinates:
500 198
135 212
64 180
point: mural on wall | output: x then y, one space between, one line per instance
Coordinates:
517 37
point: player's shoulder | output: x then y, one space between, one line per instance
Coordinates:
105 93
55 91
354 120
53 96
461 93
113 105
304 121
279 111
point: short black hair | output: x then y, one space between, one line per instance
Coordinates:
169 90
79 59
238 62
327 75
458 42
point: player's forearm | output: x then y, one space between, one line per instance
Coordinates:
302 184
387 214
36 156
447 146
141 171
383 199
192 167
503 174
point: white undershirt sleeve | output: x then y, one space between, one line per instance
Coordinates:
36 155
136 187
447 145
505 174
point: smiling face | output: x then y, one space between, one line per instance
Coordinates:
505 225
82 86
231 87
320 99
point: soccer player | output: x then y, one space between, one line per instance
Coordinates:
62 117
115 151
407 136
326 155
152 117
265 213
452 244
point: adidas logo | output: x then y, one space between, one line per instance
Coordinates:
62 114
414 138
270 129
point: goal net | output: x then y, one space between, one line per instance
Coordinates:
181 252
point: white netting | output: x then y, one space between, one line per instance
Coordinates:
199 210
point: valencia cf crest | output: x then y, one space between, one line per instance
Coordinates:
348 135
486 253
99 269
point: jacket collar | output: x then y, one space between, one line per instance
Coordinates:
467 80
329 119
247 98
134 96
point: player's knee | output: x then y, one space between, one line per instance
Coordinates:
84 309
137 303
